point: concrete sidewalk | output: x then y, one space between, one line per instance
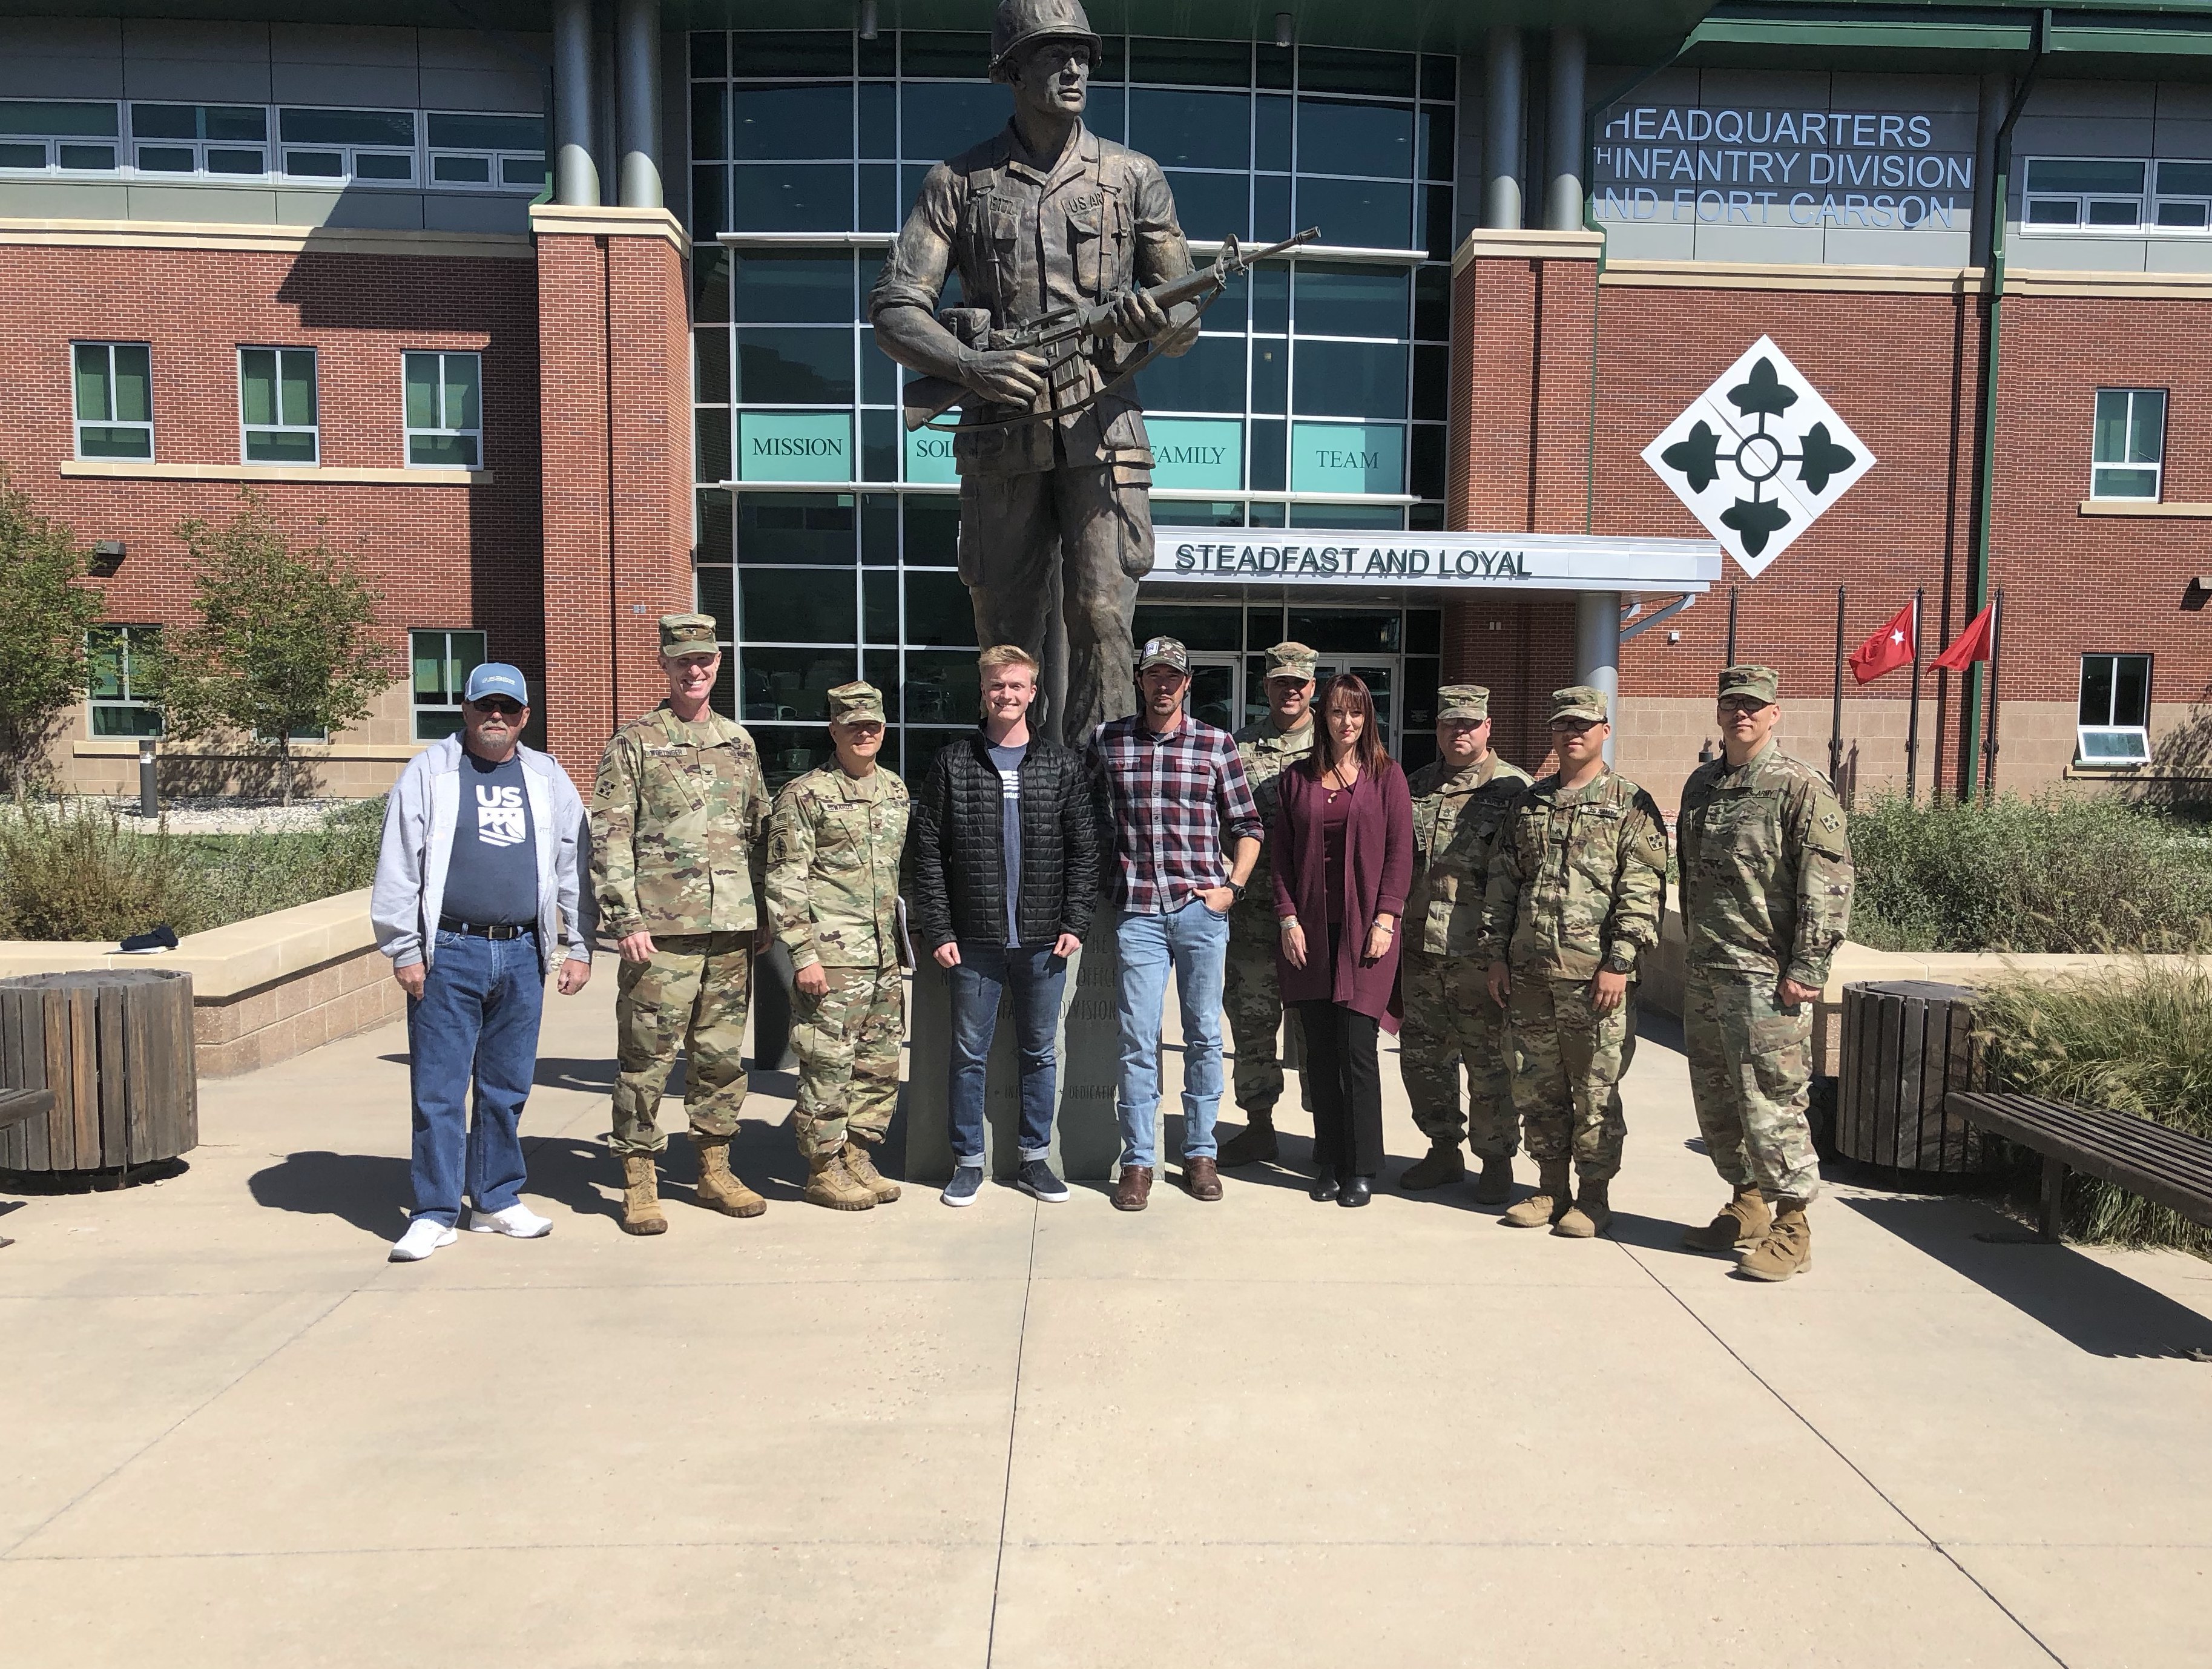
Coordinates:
1265 1432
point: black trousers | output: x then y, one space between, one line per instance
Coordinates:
1346 1079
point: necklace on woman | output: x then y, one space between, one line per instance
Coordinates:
1343 782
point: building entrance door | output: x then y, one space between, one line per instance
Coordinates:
1380 674
1216 690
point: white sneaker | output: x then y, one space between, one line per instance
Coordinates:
424 1235
518 1220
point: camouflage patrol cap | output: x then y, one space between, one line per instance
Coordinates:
1462 702
1756 683
856 703
1585 701
1290 659
1163 652
687 633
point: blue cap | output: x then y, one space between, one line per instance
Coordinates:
496 678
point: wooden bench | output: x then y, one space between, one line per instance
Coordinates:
17 1106
2168 1168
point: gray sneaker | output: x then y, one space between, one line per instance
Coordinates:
967 1182
1035 1178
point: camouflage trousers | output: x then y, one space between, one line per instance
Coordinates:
1567 1085
1256 1014
1451 1022
1751 1062
692 995
847 1044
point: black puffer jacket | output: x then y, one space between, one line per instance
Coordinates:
959 849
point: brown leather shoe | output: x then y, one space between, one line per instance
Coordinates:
1200 1180
1135 1191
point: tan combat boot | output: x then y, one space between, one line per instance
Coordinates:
1588 1216
1786 1251
1496 1186
1253 1144
641 1212
720 1190
1741 1224
862 1169
1442 1163
831 1184
1548 1203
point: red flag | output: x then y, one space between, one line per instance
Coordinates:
1892 647
1971 645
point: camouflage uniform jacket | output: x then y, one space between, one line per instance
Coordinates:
1766 868
1266 752
833 867
1577 879
1457 817
679 819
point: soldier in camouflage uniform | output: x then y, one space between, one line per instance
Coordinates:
833 882
678 817
1766 897
1572 907
1249 992
1459 803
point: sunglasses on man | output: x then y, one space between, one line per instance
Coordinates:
500 705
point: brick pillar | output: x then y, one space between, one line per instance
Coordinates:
614 326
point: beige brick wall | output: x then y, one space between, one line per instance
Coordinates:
290 1015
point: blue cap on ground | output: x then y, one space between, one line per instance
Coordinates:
496 678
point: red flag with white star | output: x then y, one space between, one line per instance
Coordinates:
1892 647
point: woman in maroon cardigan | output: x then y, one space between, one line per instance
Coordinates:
1343 846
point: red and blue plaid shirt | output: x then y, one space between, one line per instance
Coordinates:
1176 804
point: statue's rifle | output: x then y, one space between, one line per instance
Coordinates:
1063 338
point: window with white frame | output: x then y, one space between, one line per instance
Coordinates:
445 411
2113 724
116 680
226 139
442 663
2128 452
277 404
374 146
52 136
497 153
2095 193
2184 196
114 395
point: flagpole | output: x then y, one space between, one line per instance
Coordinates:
1836 725
1912 720
1990 740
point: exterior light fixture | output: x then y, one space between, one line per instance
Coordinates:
108 556
1282 28
867 20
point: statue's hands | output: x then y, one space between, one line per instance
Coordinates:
1137 318
1010 376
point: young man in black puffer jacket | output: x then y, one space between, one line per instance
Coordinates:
1005 877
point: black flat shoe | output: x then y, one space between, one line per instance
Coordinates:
1355 1190
1324 1187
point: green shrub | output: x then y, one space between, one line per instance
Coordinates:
74 872
2139 1042
2054 873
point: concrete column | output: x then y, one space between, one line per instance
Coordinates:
1564 162
1501 131
575 166
1597 649
637 77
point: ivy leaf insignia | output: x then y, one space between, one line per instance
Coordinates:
1764 393
1822 458
1756 520
1697 455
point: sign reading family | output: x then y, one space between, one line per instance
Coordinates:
1766 165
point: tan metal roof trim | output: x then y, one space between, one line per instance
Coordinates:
256 239
1759 275
604 222
1528 245
2120 286
317 475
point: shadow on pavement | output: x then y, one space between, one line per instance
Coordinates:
2092 1306
368 1190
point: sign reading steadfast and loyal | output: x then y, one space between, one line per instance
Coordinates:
1521 562
1765 166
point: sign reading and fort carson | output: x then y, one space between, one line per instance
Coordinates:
1762 166
1515 561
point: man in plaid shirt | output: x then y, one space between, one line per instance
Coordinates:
1186 835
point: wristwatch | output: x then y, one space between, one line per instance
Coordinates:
1237 887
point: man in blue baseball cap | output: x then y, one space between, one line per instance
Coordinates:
484 842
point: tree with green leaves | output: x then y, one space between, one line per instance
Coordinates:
45 608
286 643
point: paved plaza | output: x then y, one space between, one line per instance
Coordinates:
1264 1432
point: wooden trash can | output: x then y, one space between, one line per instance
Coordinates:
115 1047
1907 1043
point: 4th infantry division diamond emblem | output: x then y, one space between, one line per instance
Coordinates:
1760 456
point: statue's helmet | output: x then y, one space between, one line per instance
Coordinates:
1022 23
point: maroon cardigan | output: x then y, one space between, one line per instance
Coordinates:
1378 870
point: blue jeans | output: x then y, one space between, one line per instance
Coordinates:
1034 978
476 1021
1194 941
